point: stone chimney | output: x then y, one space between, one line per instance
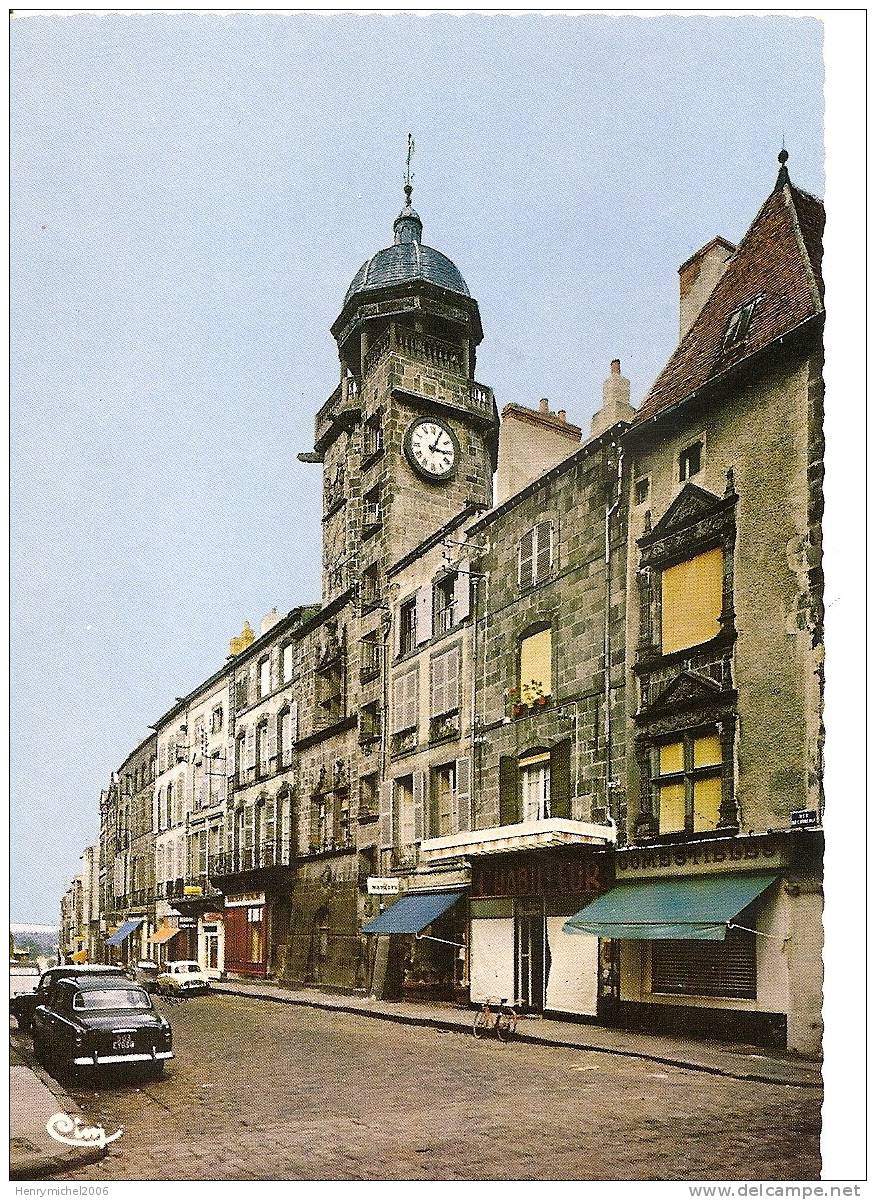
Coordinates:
615 402
697 278
270 620
531 441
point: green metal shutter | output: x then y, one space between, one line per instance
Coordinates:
561 782
510 796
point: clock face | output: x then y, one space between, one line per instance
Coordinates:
431 448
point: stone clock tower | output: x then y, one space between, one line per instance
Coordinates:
408 439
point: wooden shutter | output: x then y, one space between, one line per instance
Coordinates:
271 740
462 796
561 782
510 793
526 559
386 814
398 703
397 637
462 592
293 721
249 758
542 550
451 679
432 806
437 698
424 615
419 788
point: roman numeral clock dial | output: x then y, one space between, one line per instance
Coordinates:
431 449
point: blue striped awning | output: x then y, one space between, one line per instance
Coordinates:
413 912
697 910
124 931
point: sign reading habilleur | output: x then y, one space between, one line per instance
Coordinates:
382 887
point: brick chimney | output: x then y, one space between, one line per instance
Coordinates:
615 402
697 278
531 441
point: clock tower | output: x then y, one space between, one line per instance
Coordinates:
408 439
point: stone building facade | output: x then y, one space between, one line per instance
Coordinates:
509 725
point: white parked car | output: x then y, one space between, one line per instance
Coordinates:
182 978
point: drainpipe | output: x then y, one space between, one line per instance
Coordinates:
610 511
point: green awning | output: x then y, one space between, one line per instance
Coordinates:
697 909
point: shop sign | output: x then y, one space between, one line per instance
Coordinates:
569 874
382 887
722 854
193 890
212 916
186 923
244 898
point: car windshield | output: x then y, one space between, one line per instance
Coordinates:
112 998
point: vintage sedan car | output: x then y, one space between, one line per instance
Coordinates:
182 978
145 972
24 1005
100 1021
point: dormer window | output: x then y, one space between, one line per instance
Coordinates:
737 326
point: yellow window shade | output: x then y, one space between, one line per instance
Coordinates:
707 803
691 599
81 956
535 666
707 751
672 758
672 808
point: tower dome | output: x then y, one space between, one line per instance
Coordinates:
407 260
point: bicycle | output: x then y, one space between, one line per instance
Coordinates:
503 1017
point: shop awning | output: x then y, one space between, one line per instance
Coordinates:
413 912
163 934
124 931
697 909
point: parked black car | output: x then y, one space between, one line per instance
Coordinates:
100 1020
24 1005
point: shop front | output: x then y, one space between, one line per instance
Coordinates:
420 946
716 938
247 933
519 905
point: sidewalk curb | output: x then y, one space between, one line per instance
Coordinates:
687 1064
31 1166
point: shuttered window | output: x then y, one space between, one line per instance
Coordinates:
405 701
445 682
535 554
691 599
727 968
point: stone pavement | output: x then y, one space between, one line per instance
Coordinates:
261 1090
732 1059
34 1097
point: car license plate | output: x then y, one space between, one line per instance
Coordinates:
123 1041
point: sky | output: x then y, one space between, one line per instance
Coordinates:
191 196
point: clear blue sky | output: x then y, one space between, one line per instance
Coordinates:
191 197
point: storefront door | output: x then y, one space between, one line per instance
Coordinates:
530 954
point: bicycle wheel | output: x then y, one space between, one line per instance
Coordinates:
481 1023
506 1025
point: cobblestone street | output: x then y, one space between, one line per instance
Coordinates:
267 1091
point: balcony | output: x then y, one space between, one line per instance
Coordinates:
523 835
252 865
444 727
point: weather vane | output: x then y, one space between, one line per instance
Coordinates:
411 147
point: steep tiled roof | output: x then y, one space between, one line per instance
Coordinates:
779 263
